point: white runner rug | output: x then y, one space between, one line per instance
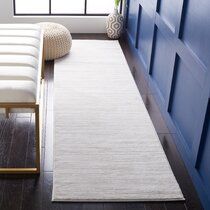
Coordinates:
105 145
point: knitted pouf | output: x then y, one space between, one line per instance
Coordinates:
57 40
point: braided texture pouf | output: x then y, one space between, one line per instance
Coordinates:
57 40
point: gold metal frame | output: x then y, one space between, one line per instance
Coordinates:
36 107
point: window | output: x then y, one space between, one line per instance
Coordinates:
63 7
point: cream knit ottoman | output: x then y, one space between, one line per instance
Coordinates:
57 40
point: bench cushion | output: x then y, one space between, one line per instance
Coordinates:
18 73
20 26
20 62
17 91
20 50
19 41
20 33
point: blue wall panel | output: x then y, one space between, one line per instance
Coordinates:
145 37
204 162
186 107
171 41
133 9
162 67
196 30
169 10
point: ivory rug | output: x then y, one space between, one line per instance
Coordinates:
105 145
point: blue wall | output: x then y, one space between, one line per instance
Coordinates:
171 39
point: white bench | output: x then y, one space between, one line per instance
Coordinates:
21 74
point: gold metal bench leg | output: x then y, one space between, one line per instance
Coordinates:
43 63
18 171
37 139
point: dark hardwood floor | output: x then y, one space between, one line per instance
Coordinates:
25 192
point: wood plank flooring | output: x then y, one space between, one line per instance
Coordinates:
25 192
